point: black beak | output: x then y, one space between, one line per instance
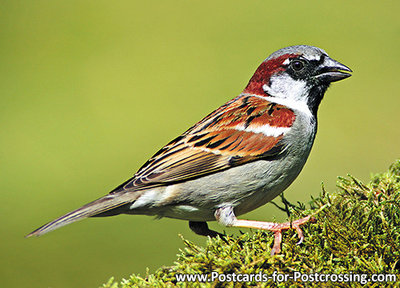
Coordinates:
332 70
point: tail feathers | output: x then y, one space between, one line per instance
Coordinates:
91 209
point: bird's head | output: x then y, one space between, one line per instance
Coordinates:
297 73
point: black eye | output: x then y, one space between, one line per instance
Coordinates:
297 65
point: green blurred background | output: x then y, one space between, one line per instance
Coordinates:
91 89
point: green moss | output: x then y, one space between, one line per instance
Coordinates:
357 231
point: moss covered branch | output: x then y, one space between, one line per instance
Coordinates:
357 231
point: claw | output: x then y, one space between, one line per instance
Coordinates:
276 249
300 234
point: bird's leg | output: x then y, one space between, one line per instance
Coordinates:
201 228
226 217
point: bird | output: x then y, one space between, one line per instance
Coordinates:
237 158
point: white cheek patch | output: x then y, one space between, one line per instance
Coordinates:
266 129
287 91
284 86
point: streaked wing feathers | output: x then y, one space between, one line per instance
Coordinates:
227 137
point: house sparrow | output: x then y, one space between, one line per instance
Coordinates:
237 158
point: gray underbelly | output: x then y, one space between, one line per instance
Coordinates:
245 188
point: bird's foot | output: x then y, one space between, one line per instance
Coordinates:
279 227
225 216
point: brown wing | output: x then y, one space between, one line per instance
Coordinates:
223 139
